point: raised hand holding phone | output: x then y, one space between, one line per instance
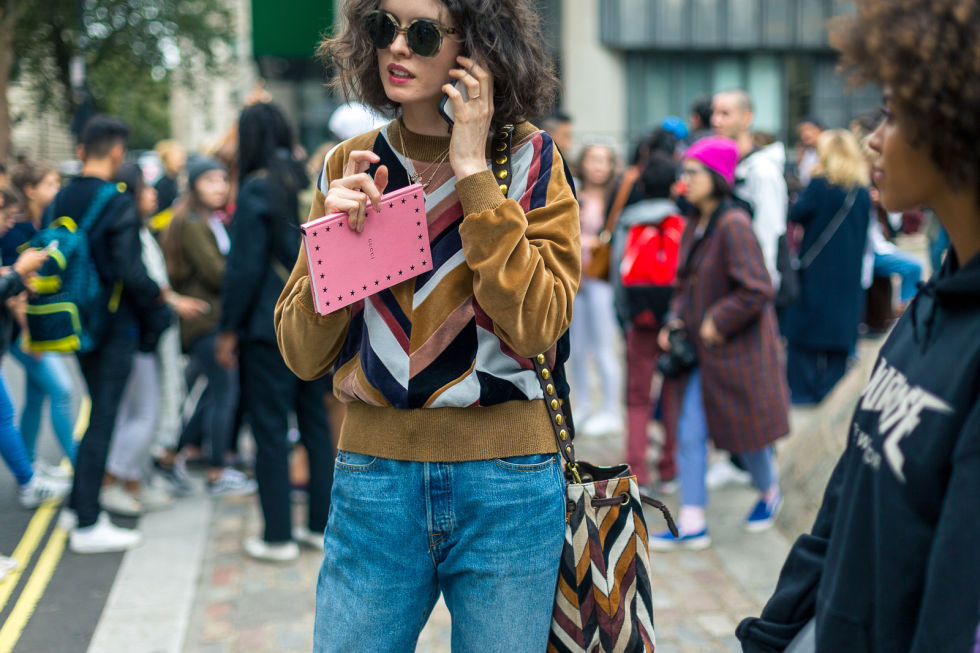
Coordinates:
471 117
447 109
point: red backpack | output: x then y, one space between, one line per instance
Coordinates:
652 253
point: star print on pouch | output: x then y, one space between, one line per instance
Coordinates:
381 254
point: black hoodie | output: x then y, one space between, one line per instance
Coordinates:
893 562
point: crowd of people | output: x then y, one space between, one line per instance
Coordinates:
816 218
714 284
188 357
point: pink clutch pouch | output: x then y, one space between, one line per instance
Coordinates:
346 266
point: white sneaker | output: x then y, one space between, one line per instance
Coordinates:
231 482
154 498
54 472
262 550
103 537
723 472
40 489
118 501
304 535
7 565
602 424
67 519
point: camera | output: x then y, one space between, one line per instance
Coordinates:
681 357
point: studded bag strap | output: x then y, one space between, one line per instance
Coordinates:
500 151
559 423
500 146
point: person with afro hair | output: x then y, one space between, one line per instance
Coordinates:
893 560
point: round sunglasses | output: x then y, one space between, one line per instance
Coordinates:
424 35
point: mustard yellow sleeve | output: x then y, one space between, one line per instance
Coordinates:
309 342
526 266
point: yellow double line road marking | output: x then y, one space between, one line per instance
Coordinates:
47 562
36 529
14 626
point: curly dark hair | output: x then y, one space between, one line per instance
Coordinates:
926 53
505 34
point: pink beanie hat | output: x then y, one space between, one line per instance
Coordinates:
716 153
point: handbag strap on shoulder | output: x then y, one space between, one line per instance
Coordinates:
806 259
626 184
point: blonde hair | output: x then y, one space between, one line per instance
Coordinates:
165 150
842 160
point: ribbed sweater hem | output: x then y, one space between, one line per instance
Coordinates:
450 434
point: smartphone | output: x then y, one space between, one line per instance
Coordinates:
446 108
50 247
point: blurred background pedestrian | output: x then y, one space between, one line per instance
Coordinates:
264 244
735 392
821 327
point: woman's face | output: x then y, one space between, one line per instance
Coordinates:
597 165
148 201
42 194
212 189
698 181
904 174
409 78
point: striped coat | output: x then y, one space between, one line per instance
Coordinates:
744 380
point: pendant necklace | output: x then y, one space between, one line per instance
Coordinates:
416 177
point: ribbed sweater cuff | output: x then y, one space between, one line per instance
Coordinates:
479 193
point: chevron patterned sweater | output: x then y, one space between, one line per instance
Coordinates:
436 368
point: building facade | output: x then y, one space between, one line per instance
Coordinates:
624 65
649 59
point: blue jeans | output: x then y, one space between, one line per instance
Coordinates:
11 446
904 265
46 375
488 534
692 450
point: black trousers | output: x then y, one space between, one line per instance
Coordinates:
270 391
106 370
812 374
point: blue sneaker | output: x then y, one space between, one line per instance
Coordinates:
763 515
666 541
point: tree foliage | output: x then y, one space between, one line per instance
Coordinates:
130 48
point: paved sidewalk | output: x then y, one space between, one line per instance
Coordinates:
245 606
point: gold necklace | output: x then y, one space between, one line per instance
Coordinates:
416 177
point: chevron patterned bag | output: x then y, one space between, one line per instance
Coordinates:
603 599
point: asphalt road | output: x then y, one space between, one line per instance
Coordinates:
61 616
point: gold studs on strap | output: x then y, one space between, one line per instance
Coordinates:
555 405
563 434
559 420
545 374
550 389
